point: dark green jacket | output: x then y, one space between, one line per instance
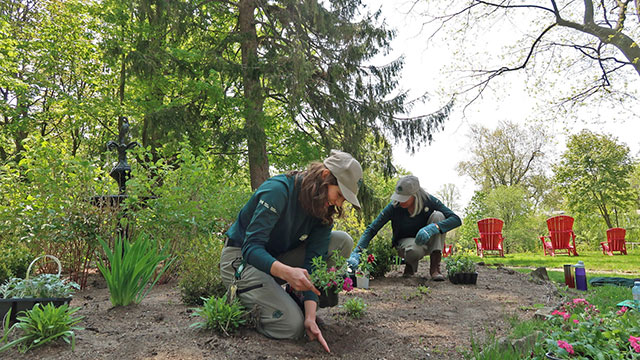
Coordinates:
404 226
274 222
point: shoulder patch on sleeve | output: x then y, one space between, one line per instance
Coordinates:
268 206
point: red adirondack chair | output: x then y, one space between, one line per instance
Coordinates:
490 236
561 236
447 250
615 242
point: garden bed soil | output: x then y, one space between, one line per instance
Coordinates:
401 322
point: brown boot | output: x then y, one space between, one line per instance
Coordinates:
434 264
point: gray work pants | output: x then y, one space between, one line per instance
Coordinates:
412 252
279 315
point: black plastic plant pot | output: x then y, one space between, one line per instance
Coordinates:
328 298
22 304
549 355
464 278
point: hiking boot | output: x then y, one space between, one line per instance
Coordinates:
408 270
434 266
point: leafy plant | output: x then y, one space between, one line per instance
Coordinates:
131 267
355 307
577 329
41 325
459 263
383 252
333 278
367 263
14 259
197 281
220 315
40 286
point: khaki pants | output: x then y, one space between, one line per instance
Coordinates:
412 252
280 316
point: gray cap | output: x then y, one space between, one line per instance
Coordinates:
348 172
406 187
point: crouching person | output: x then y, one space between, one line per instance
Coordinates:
419 223
287 222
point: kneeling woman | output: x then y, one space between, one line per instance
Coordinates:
419 222
286 223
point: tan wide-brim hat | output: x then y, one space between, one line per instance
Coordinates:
348 172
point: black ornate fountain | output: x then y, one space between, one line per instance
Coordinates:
121 172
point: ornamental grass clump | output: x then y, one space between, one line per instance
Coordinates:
220 315
41 325
578 330
130 268
331 278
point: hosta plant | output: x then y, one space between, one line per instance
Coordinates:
41 325
40 286
220 315
130 270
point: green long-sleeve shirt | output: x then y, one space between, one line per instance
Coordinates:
404 226
273 222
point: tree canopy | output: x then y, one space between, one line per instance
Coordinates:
594 173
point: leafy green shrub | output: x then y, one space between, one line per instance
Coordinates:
193 198
220 315
41 325
355 307
14 260
130 268
40 286
385 255
459 263
199 273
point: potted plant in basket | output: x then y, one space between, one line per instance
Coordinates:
22 294
365 267
330 280
461 269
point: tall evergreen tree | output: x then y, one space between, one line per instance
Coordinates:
311 57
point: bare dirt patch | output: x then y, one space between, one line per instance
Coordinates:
401 323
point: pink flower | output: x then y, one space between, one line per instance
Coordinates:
332 269
580 301
622 310
635 343
347 285
566 316
576 321
371 258
557 312
565 345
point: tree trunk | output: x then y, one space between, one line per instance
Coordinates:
253 96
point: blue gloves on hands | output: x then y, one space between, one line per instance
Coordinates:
426 233
354 259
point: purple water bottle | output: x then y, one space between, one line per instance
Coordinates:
581 276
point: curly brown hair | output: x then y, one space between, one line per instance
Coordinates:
314 190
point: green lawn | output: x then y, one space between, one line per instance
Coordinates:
594 262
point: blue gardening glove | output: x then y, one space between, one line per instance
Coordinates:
354 259
426 233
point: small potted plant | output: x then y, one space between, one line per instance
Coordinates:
365 267
330 280
22 294
461 269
